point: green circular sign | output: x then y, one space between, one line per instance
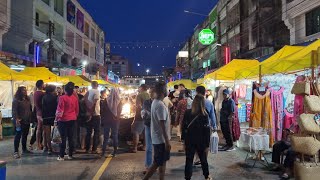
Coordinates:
206 37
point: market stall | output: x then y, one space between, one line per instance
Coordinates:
44 74
186 82
78 81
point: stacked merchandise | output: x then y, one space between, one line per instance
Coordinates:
244 97
306 142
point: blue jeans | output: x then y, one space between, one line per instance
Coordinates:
114 127
148 160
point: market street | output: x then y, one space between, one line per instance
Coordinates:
225 165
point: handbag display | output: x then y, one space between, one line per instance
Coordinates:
301 88
308 125
312 103
307 171
308 145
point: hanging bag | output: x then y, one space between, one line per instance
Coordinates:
214 143
301 88
312 102
307 170
308 145
308 125
56 138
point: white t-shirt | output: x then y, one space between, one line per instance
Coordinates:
93 95
159 112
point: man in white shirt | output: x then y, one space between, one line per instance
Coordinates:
93 108
160 132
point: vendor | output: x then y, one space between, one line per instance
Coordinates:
283 147
226 117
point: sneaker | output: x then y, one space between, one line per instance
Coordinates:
49 152
285 176
16 155
114 155
45 150
197 163
31 147
70 158
60 158
209 178
230 149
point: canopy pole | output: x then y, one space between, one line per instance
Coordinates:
260 76
314 58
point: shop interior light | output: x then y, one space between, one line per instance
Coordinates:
47 40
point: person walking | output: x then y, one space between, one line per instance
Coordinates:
110 119
38 94
21 114
66 115
226 117
196 136
146 116
137 126
49 108
160 132
93 104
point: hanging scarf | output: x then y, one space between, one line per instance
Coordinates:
113 101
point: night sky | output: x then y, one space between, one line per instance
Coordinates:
145 23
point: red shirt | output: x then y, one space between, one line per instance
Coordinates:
68 108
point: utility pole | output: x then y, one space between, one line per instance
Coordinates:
50 49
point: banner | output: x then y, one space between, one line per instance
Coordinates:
71 12
80 20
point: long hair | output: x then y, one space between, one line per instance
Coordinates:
19 95
198 106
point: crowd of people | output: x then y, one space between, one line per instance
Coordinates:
79 114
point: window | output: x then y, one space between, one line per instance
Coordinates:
86 29
79 43
137 81
70 38
46 1
93 33
37 19
131 81
58 6
86 48
313 22
116 63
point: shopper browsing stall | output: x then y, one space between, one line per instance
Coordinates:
21 113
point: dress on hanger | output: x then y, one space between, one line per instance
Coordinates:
277 106
235 128
262 113
298 108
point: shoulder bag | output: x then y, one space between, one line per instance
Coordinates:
308 125
308 145
301 88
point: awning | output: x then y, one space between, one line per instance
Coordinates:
78 81
254 70
186 82
306 58
228 72
44 74
102 82
7 74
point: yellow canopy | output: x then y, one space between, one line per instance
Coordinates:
43 74
102 82
78 81
7 74
254 70
186 82
228 72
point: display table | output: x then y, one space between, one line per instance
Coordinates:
257 141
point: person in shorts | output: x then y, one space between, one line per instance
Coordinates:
37 97
160 132
49 108
137 126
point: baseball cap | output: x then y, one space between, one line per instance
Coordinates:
226 91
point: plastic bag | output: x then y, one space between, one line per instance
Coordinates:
214 143
56 138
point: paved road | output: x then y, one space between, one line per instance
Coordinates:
125 166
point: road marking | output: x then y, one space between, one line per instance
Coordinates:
102 169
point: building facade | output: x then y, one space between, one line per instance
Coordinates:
76 38
119 65
302 17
